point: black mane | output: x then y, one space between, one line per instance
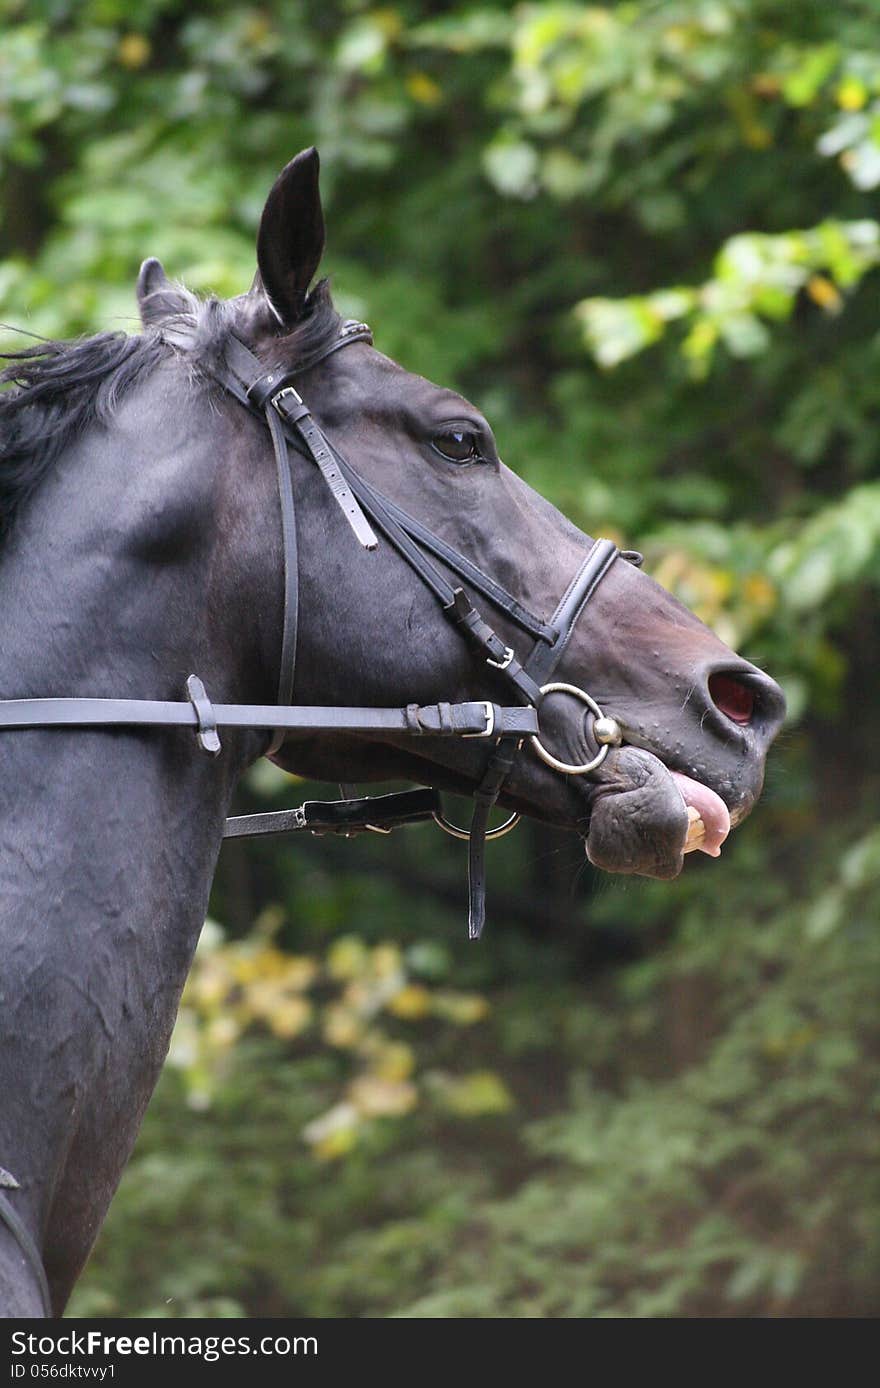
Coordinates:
56 390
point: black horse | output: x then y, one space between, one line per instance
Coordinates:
141 541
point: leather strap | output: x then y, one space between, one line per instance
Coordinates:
252 385
544 659
322 456
289 548
263 390
536 671
497 771
381 813
452 559
473 719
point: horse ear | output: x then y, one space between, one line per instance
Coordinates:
290 241
158 298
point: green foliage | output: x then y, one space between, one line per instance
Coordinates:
757 277
669 1111
730 1187
704 1147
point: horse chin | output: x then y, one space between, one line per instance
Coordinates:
645 817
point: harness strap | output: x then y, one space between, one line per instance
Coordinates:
544 659
256 388
262 390
322 455
477 718
458 563
497 771
291 572
359 814
537 669
491 647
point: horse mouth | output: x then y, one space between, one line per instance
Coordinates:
646 818
709 820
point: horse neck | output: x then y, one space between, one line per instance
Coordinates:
108 840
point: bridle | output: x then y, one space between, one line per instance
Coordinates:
272 396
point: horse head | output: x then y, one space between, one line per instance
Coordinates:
694 719
142 539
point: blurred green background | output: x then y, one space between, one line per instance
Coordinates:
643 237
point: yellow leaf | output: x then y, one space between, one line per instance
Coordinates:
766 84
299 972
423 89
209 985
336 1145
393 1061
261 998
759 592
245 968
222 1032
334 1133
347 957
378 1098
290 1017
271 962
411 1003
342 1027
257 27
463 1009
389 21
385 960
851 94
824 293
755 135
472 1096
133 50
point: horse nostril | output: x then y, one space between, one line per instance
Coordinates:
734 698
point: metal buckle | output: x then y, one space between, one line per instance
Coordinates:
288 390
489 710
501 664
606 731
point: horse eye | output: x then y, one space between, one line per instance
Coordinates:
458 445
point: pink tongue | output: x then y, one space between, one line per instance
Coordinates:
711 809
